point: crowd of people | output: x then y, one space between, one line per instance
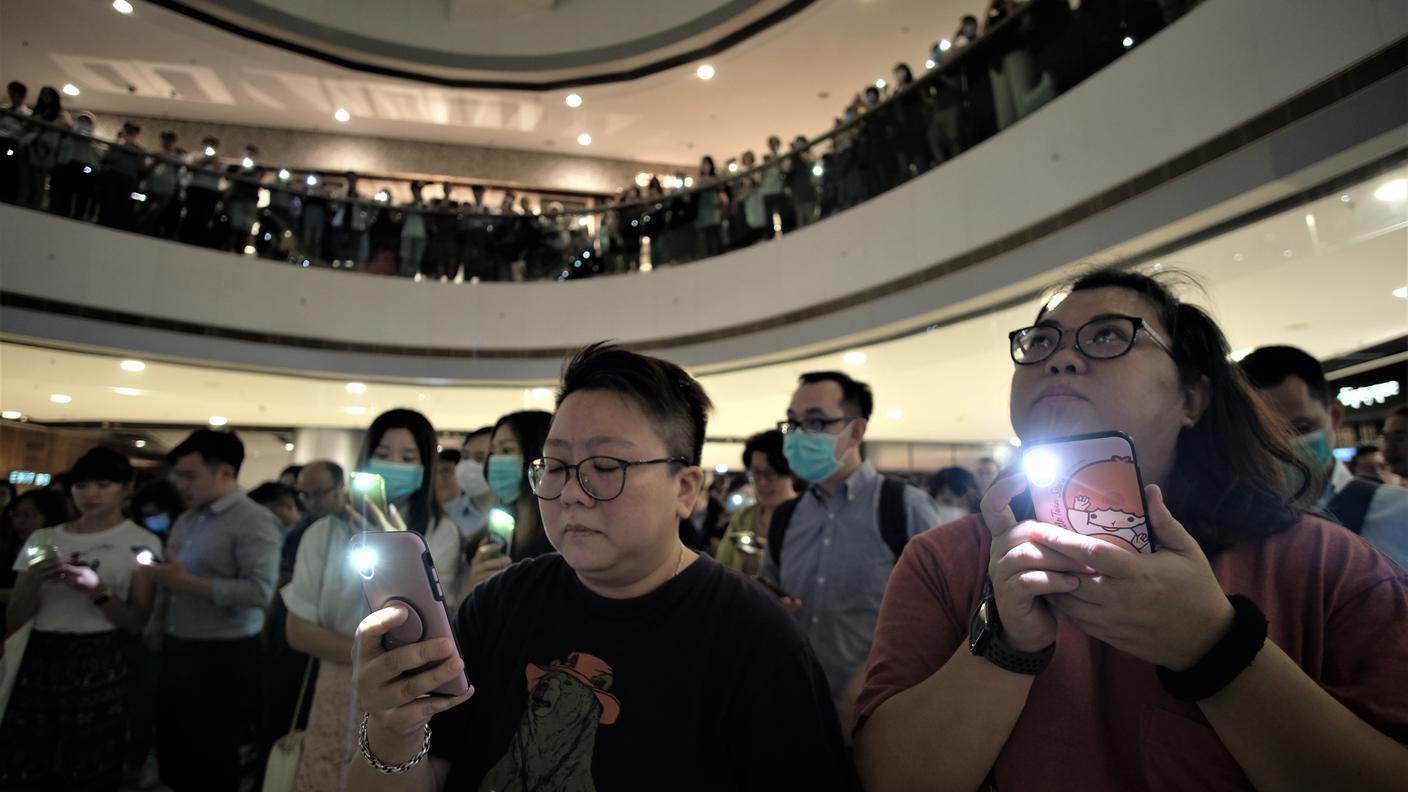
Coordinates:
987 76
813 624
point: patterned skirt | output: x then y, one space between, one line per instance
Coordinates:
331 739
66 724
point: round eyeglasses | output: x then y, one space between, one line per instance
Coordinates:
602 478
1102 338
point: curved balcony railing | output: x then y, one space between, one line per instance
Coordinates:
387 226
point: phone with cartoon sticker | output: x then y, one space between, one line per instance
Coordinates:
1090 484
396 569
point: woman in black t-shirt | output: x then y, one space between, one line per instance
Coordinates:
625 660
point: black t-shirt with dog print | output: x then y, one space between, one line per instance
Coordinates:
705 683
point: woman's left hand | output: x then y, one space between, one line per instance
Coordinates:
79 578
1166 608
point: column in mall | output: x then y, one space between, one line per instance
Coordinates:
339 445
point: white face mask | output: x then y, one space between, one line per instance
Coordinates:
948 514
470 476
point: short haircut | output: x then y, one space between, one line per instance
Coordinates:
334 470
674 402
215 449
769 444
209 141
101 464
483 431
1367 448
855 395
291 470
451 455
1270 366
956 480
16 86
271 492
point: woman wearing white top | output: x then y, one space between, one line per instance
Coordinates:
65 724
325 600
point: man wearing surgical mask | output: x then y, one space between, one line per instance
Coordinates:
837 550
471 508
1293 384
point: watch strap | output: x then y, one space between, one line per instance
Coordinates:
1008 659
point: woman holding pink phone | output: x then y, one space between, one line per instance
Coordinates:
1258 646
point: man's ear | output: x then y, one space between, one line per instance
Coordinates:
690 481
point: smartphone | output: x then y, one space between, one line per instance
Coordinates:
145 555
746 544
367 488
773 587
1090 484
501 526
396 568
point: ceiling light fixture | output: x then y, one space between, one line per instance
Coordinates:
584 139
140 443
880 84
573 100
1401 292
355 410
894 413
540 393
945 45
1128 42
133 365
356 387
929 64
218 420
705 72
288 446
856 358
71 89
342 115
122 6
11 415
60 398
312 180
127 391
1395 190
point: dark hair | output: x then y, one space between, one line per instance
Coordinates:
168 134
854 394
908 75
48 106
676 404
530 427
52 504
16 86
210 140
451 455
1361 451
101 464
480 432
712 170
292 470
334 471
271 492
955 479
215 449
161 494
1270 366
768 443
1229 479
421 502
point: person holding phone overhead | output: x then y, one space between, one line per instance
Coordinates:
619 661
1081 665
515 439
83 587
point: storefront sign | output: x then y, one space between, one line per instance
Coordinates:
1377 393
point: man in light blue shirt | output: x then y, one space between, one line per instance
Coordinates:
1294 384
836 556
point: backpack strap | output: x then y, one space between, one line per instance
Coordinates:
777 530
1351 504
894 518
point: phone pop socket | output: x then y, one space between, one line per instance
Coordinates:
408 632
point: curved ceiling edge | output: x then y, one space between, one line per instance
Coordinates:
602 56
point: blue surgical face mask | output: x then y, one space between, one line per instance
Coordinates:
1314 449
811 456
505 474
159 523
402 480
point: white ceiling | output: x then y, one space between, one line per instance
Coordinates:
794 78
1331 295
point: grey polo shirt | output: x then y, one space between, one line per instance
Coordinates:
835 561
235 542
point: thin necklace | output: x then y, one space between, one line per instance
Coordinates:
680 563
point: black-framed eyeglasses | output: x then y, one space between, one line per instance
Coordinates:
603 478
811 425
1102 338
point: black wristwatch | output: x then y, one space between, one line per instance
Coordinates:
985 641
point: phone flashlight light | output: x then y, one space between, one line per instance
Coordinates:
364 561
1040 467
364 481
145 557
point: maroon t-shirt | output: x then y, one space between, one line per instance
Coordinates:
1096 718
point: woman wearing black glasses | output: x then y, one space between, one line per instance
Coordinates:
624 661
1021 655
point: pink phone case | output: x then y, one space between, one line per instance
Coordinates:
402 573
1090 484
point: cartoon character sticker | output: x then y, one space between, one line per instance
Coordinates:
552 749
1103 500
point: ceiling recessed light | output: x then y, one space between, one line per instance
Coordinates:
288 446
283 174
1128 42
140 443
584 139
342 115
60 398
1288 253
71 89
945 45
133 365
122 6
354 410
420 397
1345 198
127 391
1401 292
573 100
880 84
356 387
11 415
705 72
1395 190
856 358
894 413
1238 257
218 420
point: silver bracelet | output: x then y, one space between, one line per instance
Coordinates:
383 767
